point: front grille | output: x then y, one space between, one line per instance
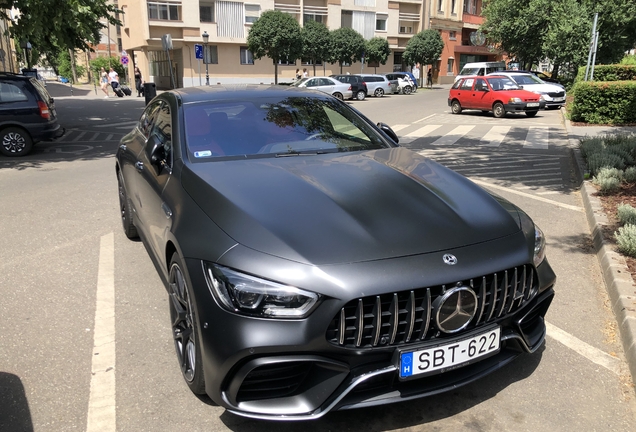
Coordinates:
406 317
557 94
273 381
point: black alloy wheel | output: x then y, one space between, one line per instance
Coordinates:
185 328
456 107
378 92
125 208
15 142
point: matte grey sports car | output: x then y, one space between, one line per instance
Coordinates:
313 264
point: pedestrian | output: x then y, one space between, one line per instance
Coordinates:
298 76
138 82
305 74
416 74
103 81
113 79
429 78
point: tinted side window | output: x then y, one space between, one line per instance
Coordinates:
457 84
162 129
147 118
11 93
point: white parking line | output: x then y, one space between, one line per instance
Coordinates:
421 132
537 137
399 127
425 118
594 355
101 415
117 124
495 136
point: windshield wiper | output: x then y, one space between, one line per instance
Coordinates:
303 153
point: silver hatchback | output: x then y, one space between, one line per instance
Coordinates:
328 85
378 85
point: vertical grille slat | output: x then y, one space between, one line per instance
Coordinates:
406 317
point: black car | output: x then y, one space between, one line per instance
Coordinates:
313 264
358 86
27 114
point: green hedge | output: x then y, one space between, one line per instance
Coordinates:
615 72
604 102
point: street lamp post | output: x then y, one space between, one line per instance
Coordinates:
206 55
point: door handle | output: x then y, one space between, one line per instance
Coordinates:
123 147
139 166
166 210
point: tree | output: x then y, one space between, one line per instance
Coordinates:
424 48
54 26
345 46
377 51
276 35
65 67
315 40
616 27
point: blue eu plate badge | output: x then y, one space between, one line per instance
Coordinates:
406 365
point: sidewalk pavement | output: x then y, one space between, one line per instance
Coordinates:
618 280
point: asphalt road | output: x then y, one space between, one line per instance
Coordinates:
63 250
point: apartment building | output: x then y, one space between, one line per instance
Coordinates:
228 22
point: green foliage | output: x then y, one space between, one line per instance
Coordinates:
345 46
629 60
54 26
630 175
626 240
424 48
615 72
106 63
315 41
608 179
604 102
64 66
609 151
377 50
276 35
626 214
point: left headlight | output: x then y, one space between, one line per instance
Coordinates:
249 295
539 246
514 100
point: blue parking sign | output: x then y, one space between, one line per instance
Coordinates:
198 51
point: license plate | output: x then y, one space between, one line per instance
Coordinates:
451 355
533 104
558 99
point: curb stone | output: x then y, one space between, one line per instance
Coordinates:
616 275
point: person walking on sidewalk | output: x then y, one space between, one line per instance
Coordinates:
103 81
429 78
113 78
138 82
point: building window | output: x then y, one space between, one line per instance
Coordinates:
246 56
206 12
452 35
449 66
380 22
252 12
310 62
213 54
453 4
164 11
406 29
440 5
158 64
364 3
346 19
470 6
312 17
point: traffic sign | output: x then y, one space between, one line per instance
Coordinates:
198 51
124 60
124 53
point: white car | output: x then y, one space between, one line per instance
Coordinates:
553 94
327 85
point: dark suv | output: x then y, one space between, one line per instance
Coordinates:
27 114
358 86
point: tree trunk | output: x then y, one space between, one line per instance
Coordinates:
314 60
71 54
275 71
341 68
555 70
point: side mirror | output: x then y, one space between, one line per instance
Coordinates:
156 151
389 132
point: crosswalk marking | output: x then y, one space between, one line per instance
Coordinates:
79 137
399 127
495 136
421 132
453 136
537 137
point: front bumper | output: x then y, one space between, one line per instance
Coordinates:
524 106
288 370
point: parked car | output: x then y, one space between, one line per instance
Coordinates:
395 75
27 114
327 85
379 85
553 94
496 93
407 86
313 264
358 86
542 76
62 79
480 69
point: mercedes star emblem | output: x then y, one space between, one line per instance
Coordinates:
449 259
455 309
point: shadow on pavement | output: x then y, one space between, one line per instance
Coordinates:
15 415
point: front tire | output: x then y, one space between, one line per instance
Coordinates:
531 113
15 141
185 327
498 110
378 92
360 95
125 209
456 107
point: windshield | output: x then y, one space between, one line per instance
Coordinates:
471 71
503 83
275 127
526 79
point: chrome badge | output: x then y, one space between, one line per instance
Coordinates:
455 309
449 259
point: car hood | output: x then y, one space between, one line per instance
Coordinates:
351 207
525 95
545 88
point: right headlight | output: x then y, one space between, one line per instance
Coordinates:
539 246
248 295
